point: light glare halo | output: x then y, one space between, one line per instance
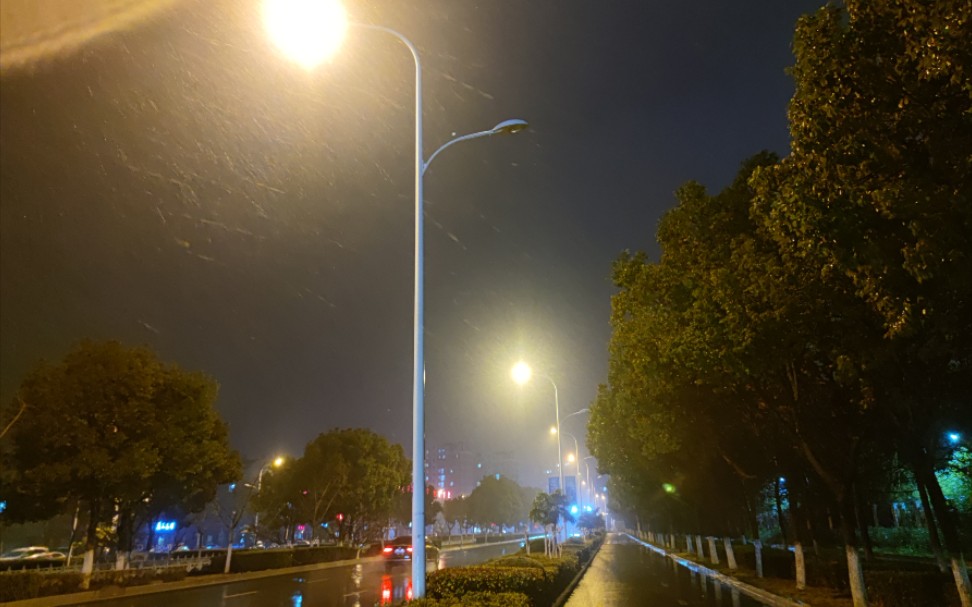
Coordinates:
521 372
307 31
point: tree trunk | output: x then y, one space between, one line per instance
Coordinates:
151 536
229 555
698 548
779 510
861 519
74 531
126 536
854 572
688 544
713 552
950 534
856 577
730 555
933 541
87 567
800 564
758 549
90 544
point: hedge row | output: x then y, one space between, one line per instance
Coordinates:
32 584
477 599
539 579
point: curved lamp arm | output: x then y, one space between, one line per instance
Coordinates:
511 126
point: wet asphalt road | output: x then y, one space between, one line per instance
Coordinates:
625 574
361 585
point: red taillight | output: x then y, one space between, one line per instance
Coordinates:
387 549
409 548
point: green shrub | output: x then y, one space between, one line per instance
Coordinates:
30 585
460 581
475 599
516 560
901 540
536 546
323 554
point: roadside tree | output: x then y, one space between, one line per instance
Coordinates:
134 436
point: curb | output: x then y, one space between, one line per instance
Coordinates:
752 591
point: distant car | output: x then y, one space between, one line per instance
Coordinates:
23 554
52 556
399 550
32 556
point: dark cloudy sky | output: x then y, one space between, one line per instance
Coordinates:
182 185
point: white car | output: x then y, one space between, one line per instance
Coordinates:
23 554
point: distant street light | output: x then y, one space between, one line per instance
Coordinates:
587 467
570 456
310 31
522 373
276 463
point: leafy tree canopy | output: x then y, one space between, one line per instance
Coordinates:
111 426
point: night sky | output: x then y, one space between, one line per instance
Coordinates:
179 183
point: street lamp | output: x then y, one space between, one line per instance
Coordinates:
275 463
569 415
587 467
570 458
310 33
522 373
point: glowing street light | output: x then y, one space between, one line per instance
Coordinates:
310 31
522 373
307 31
275 463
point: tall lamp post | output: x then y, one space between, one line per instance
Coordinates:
587 466
276 463
521 374
576 461
309 39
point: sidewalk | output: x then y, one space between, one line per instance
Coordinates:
620 576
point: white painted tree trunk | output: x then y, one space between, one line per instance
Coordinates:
856 577
688 544
86 568
961 575
758 549
229 558
698 547
121 561
730 554
801 565
713 552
